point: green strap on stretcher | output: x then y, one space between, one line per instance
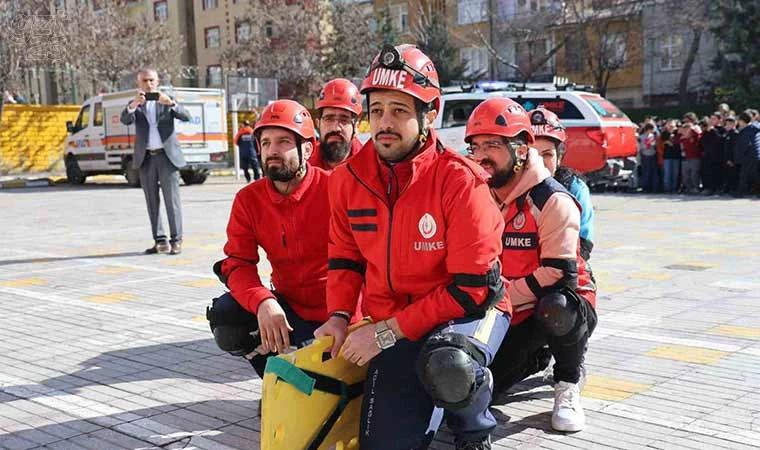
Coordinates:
290 374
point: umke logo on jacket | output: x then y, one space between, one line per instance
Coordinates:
428 228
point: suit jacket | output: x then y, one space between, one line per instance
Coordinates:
166 116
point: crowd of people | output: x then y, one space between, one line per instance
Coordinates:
715 155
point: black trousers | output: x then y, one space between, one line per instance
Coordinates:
521 351
749 178
225 310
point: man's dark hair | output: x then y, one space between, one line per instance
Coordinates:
648 127
665 135
745 116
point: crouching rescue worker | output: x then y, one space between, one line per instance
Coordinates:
550 142
552 295
416 223
287 215
340 108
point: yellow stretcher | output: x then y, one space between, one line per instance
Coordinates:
311 401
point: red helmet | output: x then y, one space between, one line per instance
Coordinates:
546 124
289 115
340 93
499 116
406 69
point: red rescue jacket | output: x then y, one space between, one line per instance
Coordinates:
292 229
423 235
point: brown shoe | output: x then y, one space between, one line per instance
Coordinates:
176 248
158 247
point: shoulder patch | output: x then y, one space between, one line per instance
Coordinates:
541 192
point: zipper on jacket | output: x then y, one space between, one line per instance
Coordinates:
388 192
284 244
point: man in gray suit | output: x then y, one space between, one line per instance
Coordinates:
158 157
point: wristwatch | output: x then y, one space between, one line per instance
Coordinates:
384 336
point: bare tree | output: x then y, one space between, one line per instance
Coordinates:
691 16
110 44
30 37
610 36
303 44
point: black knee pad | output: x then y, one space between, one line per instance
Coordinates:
558 314
447 366
235 339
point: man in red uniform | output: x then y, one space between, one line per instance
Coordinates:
415 222
552 294
286 214
340 108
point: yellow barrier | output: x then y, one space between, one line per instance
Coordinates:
31 137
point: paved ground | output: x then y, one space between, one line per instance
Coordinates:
102 347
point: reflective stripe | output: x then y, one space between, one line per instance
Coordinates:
483 332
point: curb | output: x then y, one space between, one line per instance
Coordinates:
20 183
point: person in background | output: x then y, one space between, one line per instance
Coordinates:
247 152
671 155
732 169
648 156
712 153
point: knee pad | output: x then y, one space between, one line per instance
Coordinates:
558 315
447 367
236 340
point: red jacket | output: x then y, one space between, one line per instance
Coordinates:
423 236
316 156
292 229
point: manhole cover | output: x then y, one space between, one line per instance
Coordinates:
688 267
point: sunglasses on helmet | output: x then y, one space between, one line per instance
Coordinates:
390 58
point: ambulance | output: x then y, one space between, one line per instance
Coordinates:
98 143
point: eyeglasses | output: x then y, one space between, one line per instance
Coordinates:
485 147
390 58
332 119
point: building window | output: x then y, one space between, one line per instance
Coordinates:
268 29
475 60
614 50
471 11
400 15
214 76
574 55
210 4
242 31
160 11
671 52
212 37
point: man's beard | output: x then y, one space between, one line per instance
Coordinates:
285 172
500 177
334 152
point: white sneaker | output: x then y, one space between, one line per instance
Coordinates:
568 411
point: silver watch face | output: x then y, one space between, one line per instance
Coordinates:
385 339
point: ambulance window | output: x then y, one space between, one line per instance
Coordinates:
563 108
603 107
97 120
83 121
456 112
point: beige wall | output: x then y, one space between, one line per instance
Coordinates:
223 16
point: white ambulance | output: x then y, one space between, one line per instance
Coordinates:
98 143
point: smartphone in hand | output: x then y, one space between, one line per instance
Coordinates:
151 96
